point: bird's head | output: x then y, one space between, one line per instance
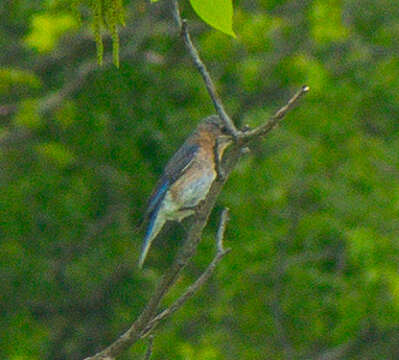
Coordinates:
215 125
216 128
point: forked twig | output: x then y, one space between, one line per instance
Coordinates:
202 69
220 253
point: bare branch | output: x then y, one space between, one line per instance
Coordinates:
278 116
142 326
201 67
220 253
134 332
149 349
148 319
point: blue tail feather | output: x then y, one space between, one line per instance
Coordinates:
148 237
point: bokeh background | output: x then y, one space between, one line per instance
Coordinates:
315 207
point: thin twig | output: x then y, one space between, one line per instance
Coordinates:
278 116
148 353
133 334
141 326
220 253
201 67
224 218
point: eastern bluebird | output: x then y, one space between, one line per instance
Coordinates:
187 178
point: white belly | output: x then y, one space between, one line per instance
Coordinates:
177 205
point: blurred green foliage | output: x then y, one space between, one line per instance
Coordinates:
47 29
12 80
314 207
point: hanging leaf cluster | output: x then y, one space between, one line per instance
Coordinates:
106 15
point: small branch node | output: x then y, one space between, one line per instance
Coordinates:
191 290
183 28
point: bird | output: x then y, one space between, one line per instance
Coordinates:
186 179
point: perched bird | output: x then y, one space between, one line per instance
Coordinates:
186 179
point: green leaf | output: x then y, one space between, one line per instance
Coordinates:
216 13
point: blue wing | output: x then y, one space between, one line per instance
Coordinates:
180 161
173 170
176 166
158 196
